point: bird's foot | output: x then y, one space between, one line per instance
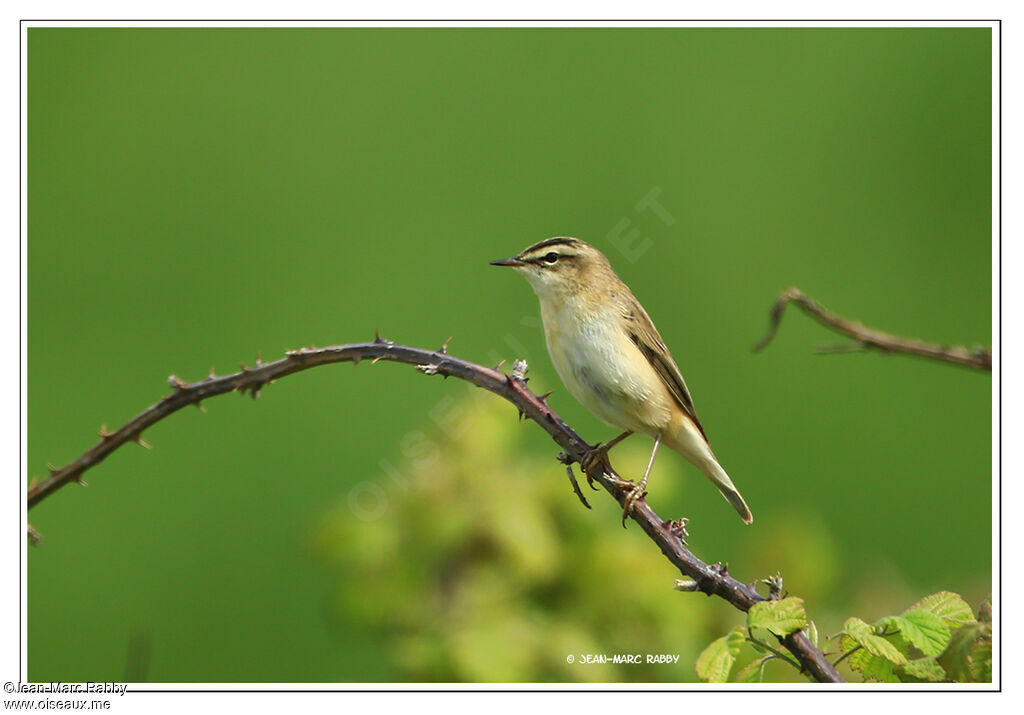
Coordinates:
635 494
593 458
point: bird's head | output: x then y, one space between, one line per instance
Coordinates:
560 265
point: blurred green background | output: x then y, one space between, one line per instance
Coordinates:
197 196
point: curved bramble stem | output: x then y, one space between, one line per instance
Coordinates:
712 580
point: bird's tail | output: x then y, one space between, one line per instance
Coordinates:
685 438
713 470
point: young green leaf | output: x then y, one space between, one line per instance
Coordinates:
865 636
812 633
946 605
925 630
752 672
968 657
955 659
714 664
921 670
778 617
873 667
981 660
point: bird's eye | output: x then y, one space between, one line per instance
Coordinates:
551 257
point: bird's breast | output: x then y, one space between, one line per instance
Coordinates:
604 370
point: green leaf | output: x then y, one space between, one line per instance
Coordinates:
865 636
946 605
921 670
968 657
779 618
752 672
955 659
981 660
812 633
872 667
714 664
925 630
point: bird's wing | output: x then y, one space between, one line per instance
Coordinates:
645 336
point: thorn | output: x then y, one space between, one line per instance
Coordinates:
176 382
544 398
141 442
211 376
376 359
245 368
293 352
259 358
53 469
444 348
377 339
103 431
498 366
81 481
199 406
33 482
356 359
34 537
521 415
254 391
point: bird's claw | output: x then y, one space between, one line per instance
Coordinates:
591 459
635 494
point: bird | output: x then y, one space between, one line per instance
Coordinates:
612 359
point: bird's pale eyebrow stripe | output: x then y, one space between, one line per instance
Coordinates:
547 243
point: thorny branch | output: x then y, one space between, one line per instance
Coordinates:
980 358
710 579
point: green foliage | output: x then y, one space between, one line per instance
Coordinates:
948 606
935 640
777 617
968 656
870 666
752 672
869 639
780 618
714 664
923 629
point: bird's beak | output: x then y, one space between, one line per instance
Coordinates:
512 262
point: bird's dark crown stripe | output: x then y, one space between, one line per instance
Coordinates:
547 243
